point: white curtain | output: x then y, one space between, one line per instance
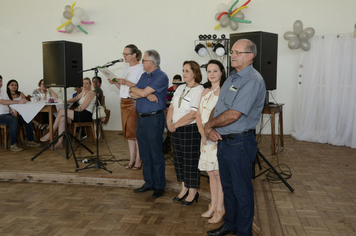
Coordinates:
326 91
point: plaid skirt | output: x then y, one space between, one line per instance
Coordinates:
186 153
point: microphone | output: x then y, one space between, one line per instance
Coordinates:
119 60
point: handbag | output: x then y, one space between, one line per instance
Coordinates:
101 111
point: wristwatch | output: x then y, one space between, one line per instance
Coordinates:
130 89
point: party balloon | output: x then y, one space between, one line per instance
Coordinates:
76 20
224 21
310 32
216 16
303 36
294 43
297 27
67 15
222 7
305 45
69 28
239 15
233 25
288 35
299 37
78 12
63 20
72 18
231 3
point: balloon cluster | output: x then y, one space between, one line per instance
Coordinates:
299 38
228 16
72 18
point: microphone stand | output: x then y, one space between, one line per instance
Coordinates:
97 164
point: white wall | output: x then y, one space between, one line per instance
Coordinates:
168 26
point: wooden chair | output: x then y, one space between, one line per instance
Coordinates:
4 130
89 124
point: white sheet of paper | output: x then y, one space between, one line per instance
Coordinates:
107 73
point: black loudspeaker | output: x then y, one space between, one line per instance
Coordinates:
265 61
62 64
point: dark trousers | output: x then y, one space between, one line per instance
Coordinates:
150 140
186 153
11 121
235 157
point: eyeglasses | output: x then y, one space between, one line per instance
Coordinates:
237 52
143 61
126 54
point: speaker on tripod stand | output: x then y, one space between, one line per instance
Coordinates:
62 67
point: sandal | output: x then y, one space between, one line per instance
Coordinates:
218 217
210 210
41 127
136 168
128 166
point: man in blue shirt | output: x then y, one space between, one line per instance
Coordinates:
151 91
236 115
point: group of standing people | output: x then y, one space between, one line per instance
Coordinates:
212 130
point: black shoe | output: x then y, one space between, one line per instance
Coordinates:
143 189
157 193
177 199
186 203
222 230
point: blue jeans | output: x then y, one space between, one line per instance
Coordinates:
150 141
11 121
235 157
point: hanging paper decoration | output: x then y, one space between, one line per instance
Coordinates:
72 18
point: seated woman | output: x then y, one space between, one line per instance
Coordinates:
14 94
83 113
43 90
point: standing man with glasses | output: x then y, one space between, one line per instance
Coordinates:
151 91
236 115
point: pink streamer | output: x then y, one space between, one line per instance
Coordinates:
62 31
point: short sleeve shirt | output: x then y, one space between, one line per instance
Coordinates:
157 80
244 92
189 102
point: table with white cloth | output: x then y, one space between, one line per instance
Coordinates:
29 110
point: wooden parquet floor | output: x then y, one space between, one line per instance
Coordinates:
48 197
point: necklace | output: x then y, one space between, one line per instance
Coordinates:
182 95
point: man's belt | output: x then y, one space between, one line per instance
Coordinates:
232 136
150 113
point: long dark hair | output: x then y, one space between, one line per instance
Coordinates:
222 69
8 90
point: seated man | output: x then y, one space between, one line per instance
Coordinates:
8 119
96 81
171 90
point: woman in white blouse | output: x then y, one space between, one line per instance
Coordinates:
131 76
185 135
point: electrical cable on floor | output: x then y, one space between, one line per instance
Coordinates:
282 169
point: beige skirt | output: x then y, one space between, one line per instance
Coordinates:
129 117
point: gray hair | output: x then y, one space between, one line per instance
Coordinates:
251 46
154 56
